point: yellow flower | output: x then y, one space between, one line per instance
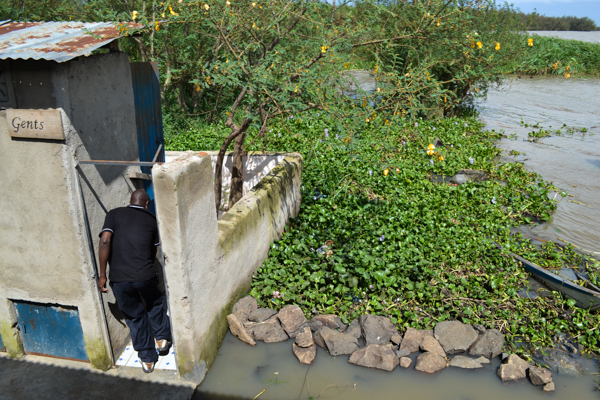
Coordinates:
197 88
567 75
253 4
431 147
473 43
324 49
296 90
367 119
430 152
171 11
439 21
227 3
378 90
479 45
530 42
497 46
397 170
134 15
346 65
253 25
206 7
387 171
376 69
157 25
441 158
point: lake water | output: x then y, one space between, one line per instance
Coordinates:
572 162
571 35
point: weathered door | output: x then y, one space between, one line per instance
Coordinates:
51 330
148 115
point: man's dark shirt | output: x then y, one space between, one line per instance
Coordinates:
134 237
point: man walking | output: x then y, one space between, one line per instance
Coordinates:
128 242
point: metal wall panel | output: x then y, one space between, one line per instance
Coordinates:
51 330
148 115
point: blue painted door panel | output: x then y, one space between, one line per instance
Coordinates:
148 116
2 345
51 330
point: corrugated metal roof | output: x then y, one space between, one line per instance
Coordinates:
57 41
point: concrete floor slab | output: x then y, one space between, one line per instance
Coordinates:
36 377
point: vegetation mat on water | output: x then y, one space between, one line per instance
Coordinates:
377 234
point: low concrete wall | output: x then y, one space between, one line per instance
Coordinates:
209 263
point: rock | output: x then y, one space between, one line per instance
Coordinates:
375 356
504 356
514 369
479 328
454 336
306 355
465 362
318 339
433 346
269 331
329 320
405 362
430 363
304 338
413 338
466 175
354 329
482 360
292 319
539 376
261 314
402 353
488 345
396 339
238 330
559 362
338 343
438 143
244 307
376 329
548 387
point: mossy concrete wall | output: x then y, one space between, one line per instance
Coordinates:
209 263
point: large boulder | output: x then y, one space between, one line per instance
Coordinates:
431 345
238 330
559 362
261 314
376 329
338 343
329 320
306 355
454 336
304 338
465 362
244 307
292 319
413 338
375 356
488 345
430 363
539 376
269 331
514 369
354 329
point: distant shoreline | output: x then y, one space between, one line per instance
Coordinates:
584 36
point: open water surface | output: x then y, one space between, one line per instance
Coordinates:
271 371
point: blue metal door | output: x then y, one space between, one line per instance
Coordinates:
51 330
2 344
148 116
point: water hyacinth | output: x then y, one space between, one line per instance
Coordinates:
466 125
493 200
382 238
279 135
433 129
416 124
337 136
370 172
456 123
326 132
431 161
471 161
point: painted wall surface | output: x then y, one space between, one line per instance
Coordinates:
46 245
209 263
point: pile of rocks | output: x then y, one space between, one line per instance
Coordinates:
373 341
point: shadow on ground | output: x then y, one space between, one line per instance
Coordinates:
23 379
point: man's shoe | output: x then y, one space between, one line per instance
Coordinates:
148 366
163 345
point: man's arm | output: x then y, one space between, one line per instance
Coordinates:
103 254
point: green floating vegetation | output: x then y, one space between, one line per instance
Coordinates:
382 231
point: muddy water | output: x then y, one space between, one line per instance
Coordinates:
241 371
571 161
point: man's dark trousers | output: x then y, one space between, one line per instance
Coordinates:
142 325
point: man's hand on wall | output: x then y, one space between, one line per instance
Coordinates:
102 284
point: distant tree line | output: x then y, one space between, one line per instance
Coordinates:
537 22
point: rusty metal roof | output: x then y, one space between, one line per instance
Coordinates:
56 41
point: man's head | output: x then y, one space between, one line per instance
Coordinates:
140 198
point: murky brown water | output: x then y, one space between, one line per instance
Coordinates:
242 372
571 161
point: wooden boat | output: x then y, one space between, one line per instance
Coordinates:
587 296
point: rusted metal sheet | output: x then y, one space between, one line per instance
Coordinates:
56 41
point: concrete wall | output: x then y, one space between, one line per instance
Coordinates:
209 263
256 166
46 254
